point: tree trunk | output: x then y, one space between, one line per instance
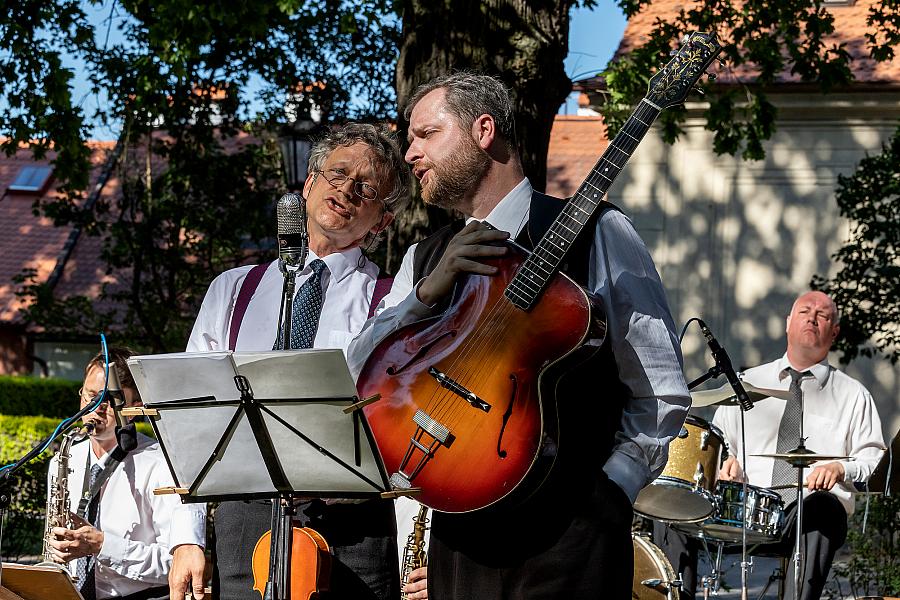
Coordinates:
522 42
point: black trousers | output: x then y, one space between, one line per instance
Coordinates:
556 545
362 537
824 532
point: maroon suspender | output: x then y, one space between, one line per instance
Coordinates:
248 287
251 282
382 287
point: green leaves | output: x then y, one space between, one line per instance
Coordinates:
867 287
764 43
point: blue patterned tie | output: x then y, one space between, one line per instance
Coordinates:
789 437
84 568
307 308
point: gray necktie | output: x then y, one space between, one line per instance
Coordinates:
307 308
789 437
84 568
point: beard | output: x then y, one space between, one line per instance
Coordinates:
450 180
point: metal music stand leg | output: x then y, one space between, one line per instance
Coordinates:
798 558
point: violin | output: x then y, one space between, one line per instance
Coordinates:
308 568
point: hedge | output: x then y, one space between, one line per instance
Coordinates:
35 396
24 527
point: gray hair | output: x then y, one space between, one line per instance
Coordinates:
470 95
387 152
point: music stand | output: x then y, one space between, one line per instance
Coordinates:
260 425
36 582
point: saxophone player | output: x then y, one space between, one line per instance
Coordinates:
118 546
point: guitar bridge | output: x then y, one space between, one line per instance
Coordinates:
429 434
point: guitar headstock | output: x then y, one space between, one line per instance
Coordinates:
673 82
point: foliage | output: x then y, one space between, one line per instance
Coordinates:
38 396
196 91
867 287
874 565
762 41
23 530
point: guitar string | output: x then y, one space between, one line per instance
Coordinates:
482 338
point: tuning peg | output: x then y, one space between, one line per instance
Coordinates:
711 76
673 52
721 61
699 90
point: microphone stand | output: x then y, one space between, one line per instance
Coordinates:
6 476
723 367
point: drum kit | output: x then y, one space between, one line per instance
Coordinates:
688 497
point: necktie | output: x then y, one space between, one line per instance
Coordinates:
307 308
84 569
789 437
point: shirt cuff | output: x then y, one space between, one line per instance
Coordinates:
627 473
851 470
112 552
188 526
415 308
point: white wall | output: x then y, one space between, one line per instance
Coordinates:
736 241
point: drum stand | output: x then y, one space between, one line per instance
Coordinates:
710 583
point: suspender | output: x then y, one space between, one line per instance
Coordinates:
382 287
251 282
248 287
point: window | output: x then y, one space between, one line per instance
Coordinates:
31 179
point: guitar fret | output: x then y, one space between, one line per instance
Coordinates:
537 264
631 136
530 286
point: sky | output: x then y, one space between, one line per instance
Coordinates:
594 35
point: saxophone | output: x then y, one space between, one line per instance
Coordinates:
414 554
58 491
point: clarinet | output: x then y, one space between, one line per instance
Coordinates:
414 554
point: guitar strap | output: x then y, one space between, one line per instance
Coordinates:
251 282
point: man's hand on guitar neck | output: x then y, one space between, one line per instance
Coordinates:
475 240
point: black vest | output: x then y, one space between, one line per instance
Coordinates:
590 396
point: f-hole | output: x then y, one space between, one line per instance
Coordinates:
512 398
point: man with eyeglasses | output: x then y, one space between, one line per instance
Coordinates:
357 182
120 543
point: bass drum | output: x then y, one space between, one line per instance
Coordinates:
654 578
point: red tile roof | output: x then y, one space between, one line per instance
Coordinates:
27 241
849 25
575 145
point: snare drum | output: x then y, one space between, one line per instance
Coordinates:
765 515
685 491
654 577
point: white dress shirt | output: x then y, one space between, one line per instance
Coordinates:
640 328
135 523
347 289
839 418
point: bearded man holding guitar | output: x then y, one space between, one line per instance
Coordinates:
531 467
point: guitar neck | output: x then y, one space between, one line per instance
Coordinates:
531 279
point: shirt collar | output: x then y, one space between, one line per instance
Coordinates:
340 264
821 370
511 213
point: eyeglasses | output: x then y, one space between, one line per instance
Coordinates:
86 397
338 179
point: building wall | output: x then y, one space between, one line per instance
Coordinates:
13 350
736 241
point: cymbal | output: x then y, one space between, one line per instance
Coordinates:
802 459
725 395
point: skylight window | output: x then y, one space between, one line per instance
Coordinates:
31 179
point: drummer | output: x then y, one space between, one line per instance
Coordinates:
840 419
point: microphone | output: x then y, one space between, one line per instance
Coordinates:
293 238
724 362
